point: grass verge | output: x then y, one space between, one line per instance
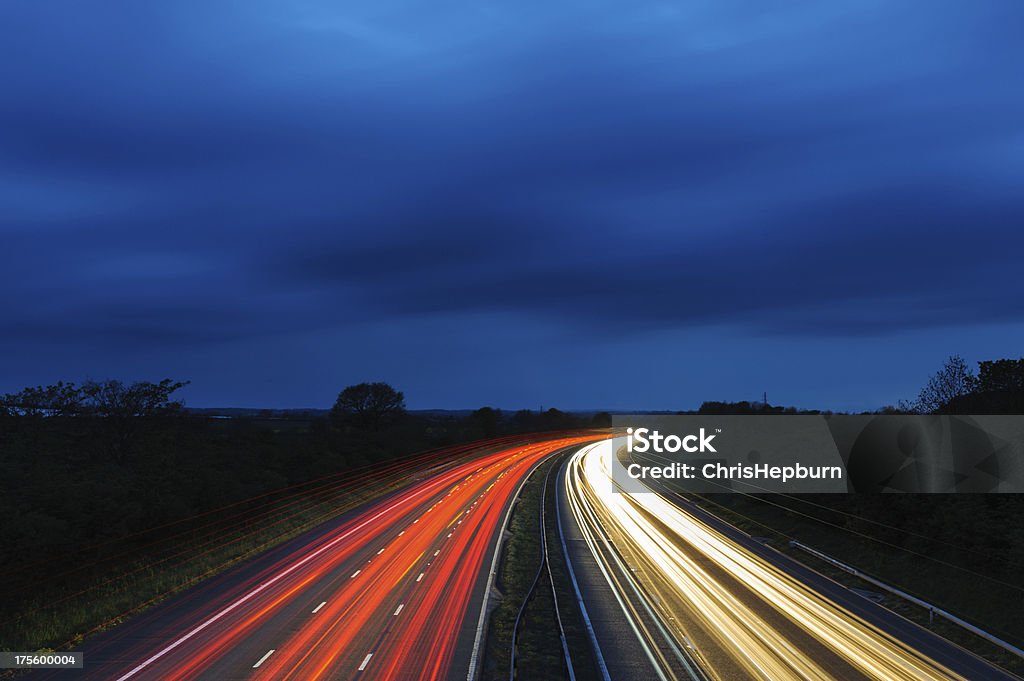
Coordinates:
60 614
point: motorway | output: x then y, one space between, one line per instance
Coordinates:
704 601
393 591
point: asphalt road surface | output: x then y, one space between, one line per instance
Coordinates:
392 591
707 602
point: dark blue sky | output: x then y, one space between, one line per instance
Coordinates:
580 204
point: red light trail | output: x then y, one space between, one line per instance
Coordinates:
387 594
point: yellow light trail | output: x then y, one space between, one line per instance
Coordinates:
675 550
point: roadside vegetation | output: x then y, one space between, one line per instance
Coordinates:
115 496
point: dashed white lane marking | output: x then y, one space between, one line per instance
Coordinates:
317 608
420 577
366 661
264 658
437 552
354 574
401 605
401 533
252 594
380 552
449 535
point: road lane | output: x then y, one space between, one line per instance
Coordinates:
388 593
625 655
738 614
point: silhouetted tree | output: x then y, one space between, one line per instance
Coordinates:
119 400
1001 375
60 399
556 419
368 405
486 419
123 407
602 419
717 407
117 406
999 389
952 381
522 421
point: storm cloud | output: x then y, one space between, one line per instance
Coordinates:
278 198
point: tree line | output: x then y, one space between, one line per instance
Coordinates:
101 460
997 387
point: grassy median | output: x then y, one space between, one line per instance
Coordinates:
539 652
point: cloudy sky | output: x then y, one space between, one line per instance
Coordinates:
577 204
